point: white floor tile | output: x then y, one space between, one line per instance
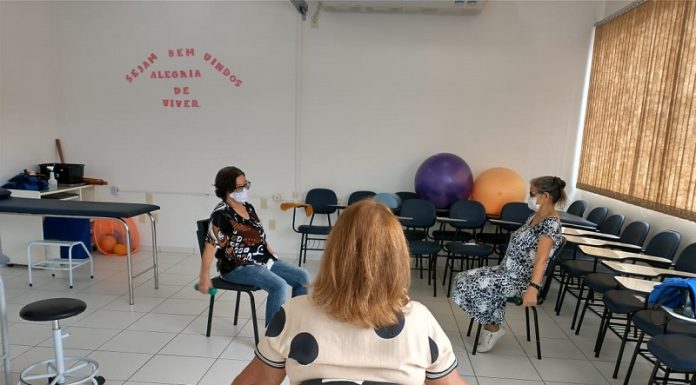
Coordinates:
501 366
174 369
220 326
241 348
169 323
562 370
505 381
109 319
181 306
131 341
196 345
84 338
223 372
41 353
142 304
31 334
118 366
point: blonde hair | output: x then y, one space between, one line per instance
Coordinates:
366 267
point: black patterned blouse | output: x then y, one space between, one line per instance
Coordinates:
239 241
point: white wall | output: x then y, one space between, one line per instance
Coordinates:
372 97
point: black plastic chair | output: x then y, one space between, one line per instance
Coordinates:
551 264
324 202
574 271
663 244
598 215
656 321
577 208
475 215
220 284
611 225
514 212
423 216
677 353
356 196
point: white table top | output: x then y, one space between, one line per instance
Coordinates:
620 255
600 242
645 271
588 233
638 285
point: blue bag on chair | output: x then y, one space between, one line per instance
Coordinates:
675 293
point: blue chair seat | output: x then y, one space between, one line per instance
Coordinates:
579 268
311 229
423 247
676 351
477 250
414 235
601 282
656 321
451 235
623 301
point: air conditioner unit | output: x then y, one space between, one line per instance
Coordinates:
405 6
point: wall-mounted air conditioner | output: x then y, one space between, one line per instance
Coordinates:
405 6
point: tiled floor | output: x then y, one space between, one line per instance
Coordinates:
161 340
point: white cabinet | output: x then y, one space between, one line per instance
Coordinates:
16 231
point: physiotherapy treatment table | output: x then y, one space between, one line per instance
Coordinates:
89 210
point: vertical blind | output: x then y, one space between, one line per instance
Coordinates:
639 140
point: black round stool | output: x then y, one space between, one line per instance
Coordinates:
79 369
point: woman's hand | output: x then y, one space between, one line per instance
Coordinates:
530 297
204 284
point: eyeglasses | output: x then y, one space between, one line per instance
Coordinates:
246 186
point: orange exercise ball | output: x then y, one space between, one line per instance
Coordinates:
120 249
107 243
497 186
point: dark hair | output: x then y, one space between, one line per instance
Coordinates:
552 185
226 181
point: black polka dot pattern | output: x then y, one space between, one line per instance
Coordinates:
277 324
434 352
304 348
389 332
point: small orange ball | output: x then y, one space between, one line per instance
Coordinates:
107 243
120 249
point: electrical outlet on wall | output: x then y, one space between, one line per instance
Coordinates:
271 224
277 197
263 204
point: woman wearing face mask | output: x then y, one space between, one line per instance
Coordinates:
237 239
482 293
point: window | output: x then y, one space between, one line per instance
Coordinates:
639 140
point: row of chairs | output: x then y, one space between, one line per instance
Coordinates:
664 341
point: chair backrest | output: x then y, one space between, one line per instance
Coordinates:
201 231
406 195
359 195
635 233
664 244
577 208
473 211
611 225
422 212
322 200
687 259
515 212
550 267
598 215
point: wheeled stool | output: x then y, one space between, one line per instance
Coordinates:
59 370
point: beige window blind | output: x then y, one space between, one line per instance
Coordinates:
639 140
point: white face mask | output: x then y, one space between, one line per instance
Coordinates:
241 196
532 203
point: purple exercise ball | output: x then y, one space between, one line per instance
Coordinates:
444 179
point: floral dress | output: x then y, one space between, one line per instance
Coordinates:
482 293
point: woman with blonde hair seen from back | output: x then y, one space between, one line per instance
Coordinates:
358 322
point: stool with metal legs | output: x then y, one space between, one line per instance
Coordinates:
3 325
60 370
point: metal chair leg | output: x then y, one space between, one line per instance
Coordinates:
590 297
210 316
536 331
633 358
476 340
577 305
623 345
253 317
236 309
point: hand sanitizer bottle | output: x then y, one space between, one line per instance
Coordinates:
52 182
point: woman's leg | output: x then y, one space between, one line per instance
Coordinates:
265 279
296 277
